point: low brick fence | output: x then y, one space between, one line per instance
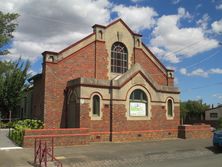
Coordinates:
131 136
81 136
62 137
195 131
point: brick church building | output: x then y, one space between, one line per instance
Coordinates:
110 83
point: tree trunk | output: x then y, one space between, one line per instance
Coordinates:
10 116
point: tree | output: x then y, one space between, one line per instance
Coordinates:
7 27
193 110
13 76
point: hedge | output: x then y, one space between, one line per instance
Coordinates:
18 128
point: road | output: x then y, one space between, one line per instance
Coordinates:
202 161
167 153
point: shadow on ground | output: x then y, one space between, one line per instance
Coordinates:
32 163
215 150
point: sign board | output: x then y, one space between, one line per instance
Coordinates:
137 109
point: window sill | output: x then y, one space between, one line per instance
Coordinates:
96 117
170 118
138 118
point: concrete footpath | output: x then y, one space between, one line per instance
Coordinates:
176 152
5 142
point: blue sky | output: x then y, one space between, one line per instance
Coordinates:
183 34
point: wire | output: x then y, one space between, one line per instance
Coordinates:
176 51
204 86
203 60
49 19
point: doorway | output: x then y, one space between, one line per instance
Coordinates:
73 115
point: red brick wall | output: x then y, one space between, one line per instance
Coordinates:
171 81
130 130
195 131
157 122
79 64
82 63
150 67
101 61
62 137
84 116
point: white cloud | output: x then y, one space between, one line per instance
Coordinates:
219 7
176 81
218 96
164 55
182 13
171 68
203 22
43 26
198 6
215 71
200 72
32 72
138 18
217 26
179 42
183 71
175 1
135 1
198 97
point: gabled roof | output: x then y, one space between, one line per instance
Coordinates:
72 45
218 107
114 22
102 26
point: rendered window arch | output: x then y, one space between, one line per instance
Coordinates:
119 58
170 108
138 103
96 105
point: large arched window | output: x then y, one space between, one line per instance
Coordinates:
170 108
138 103
96 105
119 58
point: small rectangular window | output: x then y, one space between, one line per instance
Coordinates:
213 115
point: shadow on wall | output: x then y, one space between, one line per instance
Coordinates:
64 112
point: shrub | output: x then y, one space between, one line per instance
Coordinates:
6 124
17 133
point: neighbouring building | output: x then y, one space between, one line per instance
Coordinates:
25 106
112 84
213 114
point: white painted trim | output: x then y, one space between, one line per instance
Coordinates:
167 116
92 116
10 148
